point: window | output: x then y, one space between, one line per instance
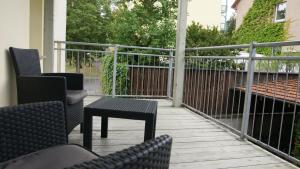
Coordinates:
280 12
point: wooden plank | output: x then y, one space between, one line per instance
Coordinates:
198 142
228 163
269 166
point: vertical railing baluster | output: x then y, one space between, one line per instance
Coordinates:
248 92
170 72
78 63
59 57
115 71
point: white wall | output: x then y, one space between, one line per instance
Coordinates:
206 12
14 31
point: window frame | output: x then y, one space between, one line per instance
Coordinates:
276 12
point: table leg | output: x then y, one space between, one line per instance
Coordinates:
149 127
88 128
104 126
154 126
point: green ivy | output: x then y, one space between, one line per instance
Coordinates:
258 25
107 76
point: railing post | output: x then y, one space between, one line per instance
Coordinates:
59 56
248 92
78 63
115 71
170 73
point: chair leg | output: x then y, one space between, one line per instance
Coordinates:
81 127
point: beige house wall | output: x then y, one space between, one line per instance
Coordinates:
241 10
293 16
14 31
36 24
207 13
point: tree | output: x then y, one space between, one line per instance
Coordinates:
231 25
144 23
87 20
198 36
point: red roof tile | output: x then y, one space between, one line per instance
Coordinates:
282 89
236 2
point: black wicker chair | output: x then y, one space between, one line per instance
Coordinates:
33 136
33 86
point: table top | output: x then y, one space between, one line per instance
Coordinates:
134 106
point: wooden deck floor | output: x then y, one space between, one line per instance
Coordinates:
198 142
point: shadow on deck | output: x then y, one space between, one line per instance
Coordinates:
197 142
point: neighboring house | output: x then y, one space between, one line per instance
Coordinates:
29 24
288 10
207 13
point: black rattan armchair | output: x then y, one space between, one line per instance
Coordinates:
34 86
33 136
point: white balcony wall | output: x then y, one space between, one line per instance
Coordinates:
14 31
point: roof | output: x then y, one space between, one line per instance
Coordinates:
236 2
280 90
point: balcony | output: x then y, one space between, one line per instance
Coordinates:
198 142
234 107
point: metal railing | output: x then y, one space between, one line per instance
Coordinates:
256 96
252 89
119 70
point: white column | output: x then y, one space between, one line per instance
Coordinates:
48 36
55 17
180 53
60 26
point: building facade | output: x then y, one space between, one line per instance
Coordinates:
28 24
207 13
286 11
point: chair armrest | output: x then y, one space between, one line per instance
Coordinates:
39 88
74 80
153 154
31 127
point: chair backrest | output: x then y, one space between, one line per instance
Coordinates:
31 127
26 61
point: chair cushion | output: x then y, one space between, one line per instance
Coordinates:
52 158
75 96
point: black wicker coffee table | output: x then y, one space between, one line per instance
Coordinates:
119 108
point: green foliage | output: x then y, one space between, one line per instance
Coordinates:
198 36
231 25
258 25
87 20
107 76
147 23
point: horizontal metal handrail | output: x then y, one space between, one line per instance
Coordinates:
85 43
111 45
220 47
240 46
277 44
